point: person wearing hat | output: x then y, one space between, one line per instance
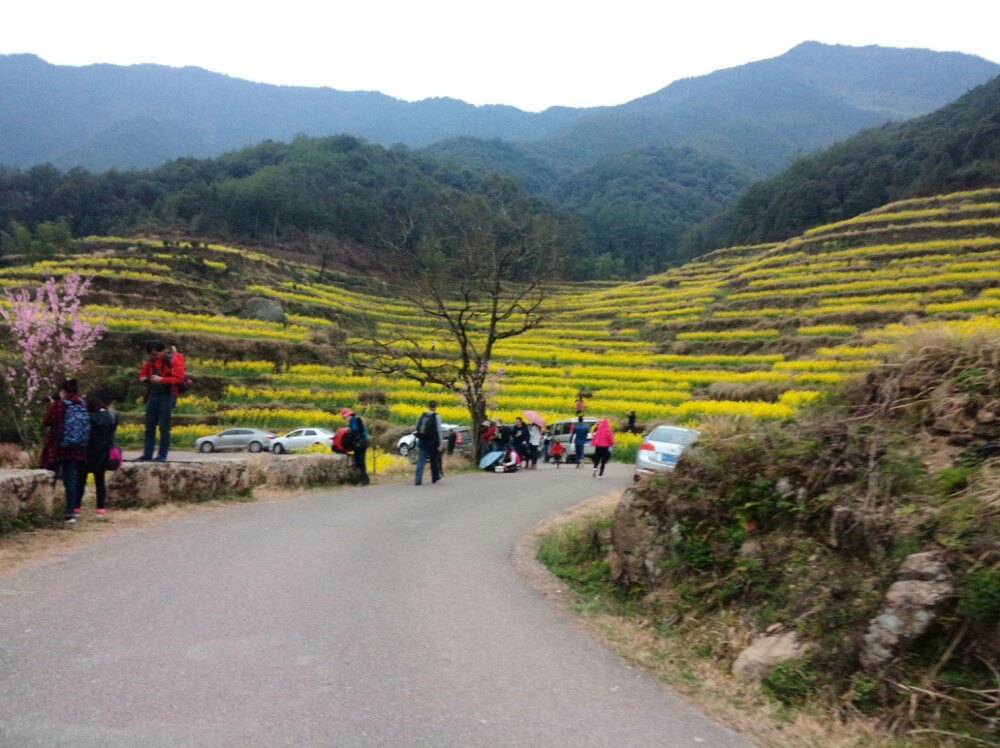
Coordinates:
359 441
487 430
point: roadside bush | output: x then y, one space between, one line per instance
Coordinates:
748 532
576 553
766 391
793 682
980 597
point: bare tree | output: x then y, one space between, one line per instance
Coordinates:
475 275
324 245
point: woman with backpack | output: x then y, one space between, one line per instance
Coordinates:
103 424
358 442
65 447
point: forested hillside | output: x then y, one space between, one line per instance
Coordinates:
314 195
638 204
957 147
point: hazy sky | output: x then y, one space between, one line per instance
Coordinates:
529 54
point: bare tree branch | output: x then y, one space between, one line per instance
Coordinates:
477 275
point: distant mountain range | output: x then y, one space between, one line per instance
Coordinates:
759 115
640 174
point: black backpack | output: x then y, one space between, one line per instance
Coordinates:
427 427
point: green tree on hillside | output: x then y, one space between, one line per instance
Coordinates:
48 238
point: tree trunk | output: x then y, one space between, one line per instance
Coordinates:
477 409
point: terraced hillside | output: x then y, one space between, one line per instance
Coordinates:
753 331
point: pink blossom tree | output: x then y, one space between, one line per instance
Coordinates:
48 342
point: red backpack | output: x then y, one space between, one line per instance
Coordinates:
176 362
342 440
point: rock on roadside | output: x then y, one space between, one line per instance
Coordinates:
766 652
912 604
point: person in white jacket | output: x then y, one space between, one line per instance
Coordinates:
534 445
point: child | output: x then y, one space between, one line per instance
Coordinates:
556 452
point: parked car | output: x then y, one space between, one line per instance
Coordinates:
302 438
256 440
562 432
408 443
662 447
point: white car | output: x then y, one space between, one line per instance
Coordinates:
302 438
562 432
661 448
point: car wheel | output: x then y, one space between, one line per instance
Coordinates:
206 447
255 447
278 449
403 449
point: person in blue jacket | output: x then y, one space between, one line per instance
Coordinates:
580 433
359 440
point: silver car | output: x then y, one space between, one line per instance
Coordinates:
302 438
256 440
662 447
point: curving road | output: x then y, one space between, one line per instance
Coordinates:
384 616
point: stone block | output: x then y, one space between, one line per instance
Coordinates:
150 483
288 471
912 603
26 491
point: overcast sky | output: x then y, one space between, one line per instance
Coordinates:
530 54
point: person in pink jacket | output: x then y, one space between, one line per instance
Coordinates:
603 439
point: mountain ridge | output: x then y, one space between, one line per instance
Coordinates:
73 116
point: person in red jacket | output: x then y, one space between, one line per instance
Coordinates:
163 373
56 455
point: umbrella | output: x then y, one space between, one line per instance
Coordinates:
535 418
490 460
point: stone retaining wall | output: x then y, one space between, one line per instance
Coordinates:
28 491
138 484
150 483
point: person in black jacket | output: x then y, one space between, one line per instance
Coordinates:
428 433
519 438
103 424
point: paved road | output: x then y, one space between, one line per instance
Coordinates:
384 616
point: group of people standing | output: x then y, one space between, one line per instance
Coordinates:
80 431
528 441
78 443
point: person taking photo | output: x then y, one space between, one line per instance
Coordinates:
163 373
